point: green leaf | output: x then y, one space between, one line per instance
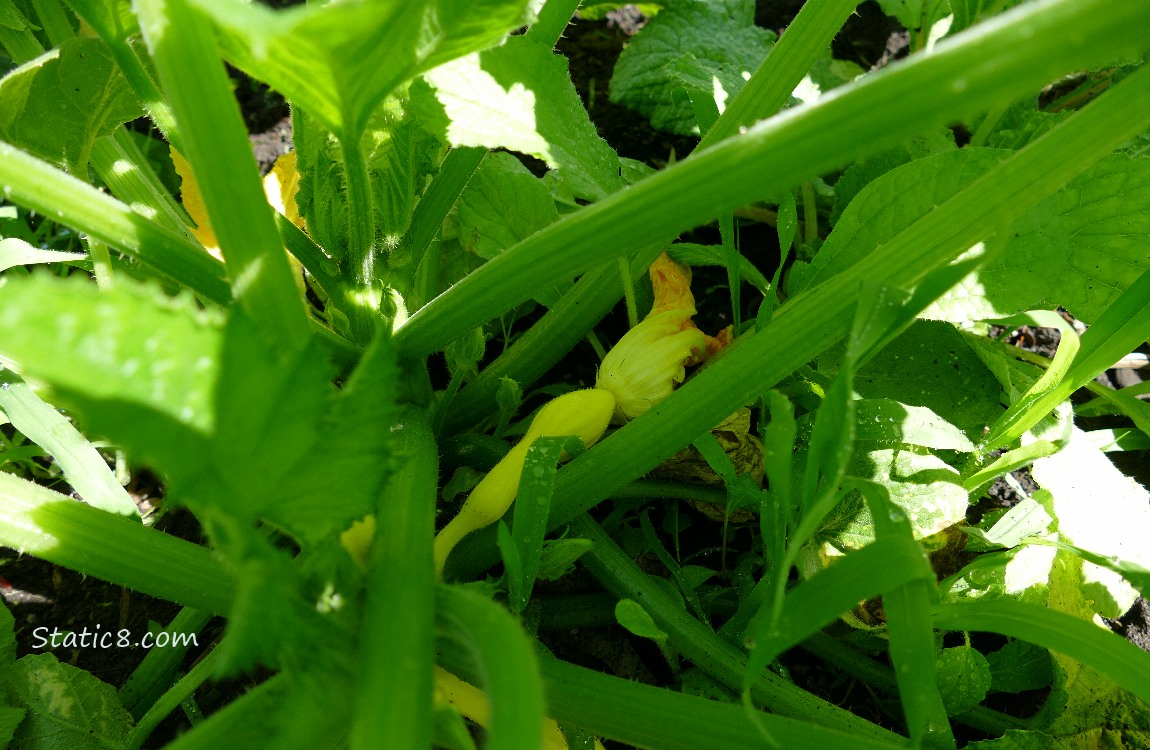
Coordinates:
7 637
559 556
1023 520
15 252
520 97
924 486
12 18
57 105
631 615
502 204
1099 509
885 420
963 676
10 719
864 172
931 366
130 345
339 61
67 707
1019 666
710 46
1015 739
1079 249
230 421
532 504
890 204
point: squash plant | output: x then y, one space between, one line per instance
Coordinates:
281 387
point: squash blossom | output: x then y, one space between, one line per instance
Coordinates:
644 367
584 414
280 186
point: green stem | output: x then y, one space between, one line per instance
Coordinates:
695 641
397 654
54 21
48 525
127 173
506 662
37 185
172 699
986 127
151 678
361 220
628 292
216 144
457 168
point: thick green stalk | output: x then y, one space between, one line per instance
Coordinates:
361 219
457 168
813 321
645 716
216 145
126 172
397 652
622 577
37 185
1014 53
48 525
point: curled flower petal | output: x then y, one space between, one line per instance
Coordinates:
643 368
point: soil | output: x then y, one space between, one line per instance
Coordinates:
39 593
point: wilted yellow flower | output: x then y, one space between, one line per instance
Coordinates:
644 367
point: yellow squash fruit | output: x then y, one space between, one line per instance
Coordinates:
472 703
584 414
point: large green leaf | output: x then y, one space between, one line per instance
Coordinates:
338 61
56 105
520 97
930 366
233 424
67 707
1101 510
1079 249
708 46
132 345
890 204
502 204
